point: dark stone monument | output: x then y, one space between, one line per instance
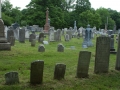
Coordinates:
11 78
22 35
83 64
102 55
4 45
60 48
59 71
41 48
117 66
36 73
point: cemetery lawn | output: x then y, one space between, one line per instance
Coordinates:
22 54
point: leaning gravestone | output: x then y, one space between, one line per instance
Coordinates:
4 45
36 73
11 78
60 48
102 55
83 64
41 48
117 66
59 71
22 35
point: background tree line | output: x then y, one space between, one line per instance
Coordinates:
62 13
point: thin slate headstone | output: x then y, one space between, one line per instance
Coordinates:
41 48
83 64
12 40
11 78
102 55
36 73
60 48
59 71
117 65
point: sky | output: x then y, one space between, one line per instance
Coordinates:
113 4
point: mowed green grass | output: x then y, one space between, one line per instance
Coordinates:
22 54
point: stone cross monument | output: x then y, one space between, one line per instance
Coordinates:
47 26
4 45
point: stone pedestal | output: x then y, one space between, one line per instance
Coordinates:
5 46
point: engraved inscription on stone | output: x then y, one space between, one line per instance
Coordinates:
102 55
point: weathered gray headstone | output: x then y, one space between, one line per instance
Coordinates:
36 73
41 48
83 64
112 49
67 37
33 42
102 55
32 36
12 40
60 48
41 37
11 78
117 66
9 33
59 71
22 35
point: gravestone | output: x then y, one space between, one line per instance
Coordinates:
32 36
22 35
9 33
112 49
69 33
12 40
57 35
36 73
51 35
102 55
60 48
4 45
11 78
59 71
87 40
66 37
41 37
33 42
117 65
41 48
83 64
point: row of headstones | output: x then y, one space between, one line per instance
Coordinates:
101 64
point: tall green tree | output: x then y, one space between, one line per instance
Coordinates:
105 18
88 17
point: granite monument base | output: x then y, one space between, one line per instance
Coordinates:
5 46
